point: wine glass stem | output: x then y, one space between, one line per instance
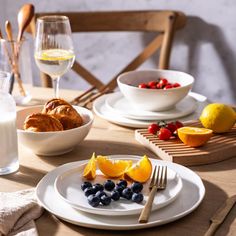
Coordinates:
56 87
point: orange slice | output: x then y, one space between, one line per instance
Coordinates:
90 169
112 168
141 171
193 136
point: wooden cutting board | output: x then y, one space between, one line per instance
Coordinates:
220 147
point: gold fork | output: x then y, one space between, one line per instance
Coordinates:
158 182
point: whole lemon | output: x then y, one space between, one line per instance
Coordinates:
218 117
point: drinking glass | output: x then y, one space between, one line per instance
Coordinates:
54 53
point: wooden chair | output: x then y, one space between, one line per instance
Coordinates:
164 23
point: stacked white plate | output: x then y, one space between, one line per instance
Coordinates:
115 108
60 193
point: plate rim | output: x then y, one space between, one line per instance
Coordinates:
128 226
106 211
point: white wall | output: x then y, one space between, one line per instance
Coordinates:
205 48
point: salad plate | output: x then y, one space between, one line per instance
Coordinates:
117 103
188 200
68 186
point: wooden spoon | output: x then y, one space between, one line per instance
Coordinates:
8 29
24 17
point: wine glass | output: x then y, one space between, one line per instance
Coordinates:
54 53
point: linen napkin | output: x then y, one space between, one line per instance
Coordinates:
18 210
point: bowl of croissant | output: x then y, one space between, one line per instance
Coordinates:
54 128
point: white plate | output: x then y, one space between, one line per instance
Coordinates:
68 186
101 110
189 199
118 104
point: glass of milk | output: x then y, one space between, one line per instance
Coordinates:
8 134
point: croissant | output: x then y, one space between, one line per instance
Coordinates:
64 112
39 122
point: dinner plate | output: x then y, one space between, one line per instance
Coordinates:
101 110
188 200
118 104
68 186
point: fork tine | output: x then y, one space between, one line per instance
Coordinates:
161 177
153 177
165 182
157 176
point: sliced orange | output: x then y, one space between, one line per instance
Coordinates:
90 169
193 136
111 167
141 171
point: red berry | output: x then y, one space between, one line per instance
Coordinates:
159 86
153 87
153 128
142 86
175 85
164 134
163 81
171 126
178 124
152 83
168 86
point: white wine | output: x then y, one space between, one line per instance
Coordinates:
54 62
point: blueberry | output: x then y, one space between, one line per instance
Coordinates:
136 187
109 185
99 194
88 191
85 185
127 193
123 183
119 189
105 200
98 187
137 197
115 195
93 200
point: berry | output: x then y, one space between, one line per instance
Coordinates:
137 197
163 81
88 191
123 183
115 195
85 185
153 87
93 200
127 193
136 187
119 189
99 194
98 187
178 124
164 134
159 86
152 84
105 200
142 86
171 126
153 128
109 185
168 86
176 85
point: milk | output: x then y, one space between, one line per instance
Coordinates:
8 134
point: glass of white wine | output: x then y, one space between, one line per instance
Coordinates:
54 53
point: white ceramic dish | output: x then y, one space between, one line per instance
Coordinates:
52 143
101 110
117 103
68 186
188 200
154 99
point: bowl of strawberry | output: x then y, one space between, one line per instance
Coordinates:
165 130
155 90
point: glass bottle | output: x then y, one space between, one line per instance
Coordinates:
8 134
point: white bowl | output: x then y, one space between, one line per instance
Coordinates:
154 99
52 143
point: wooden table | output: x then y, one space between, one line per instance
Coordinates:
219 179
